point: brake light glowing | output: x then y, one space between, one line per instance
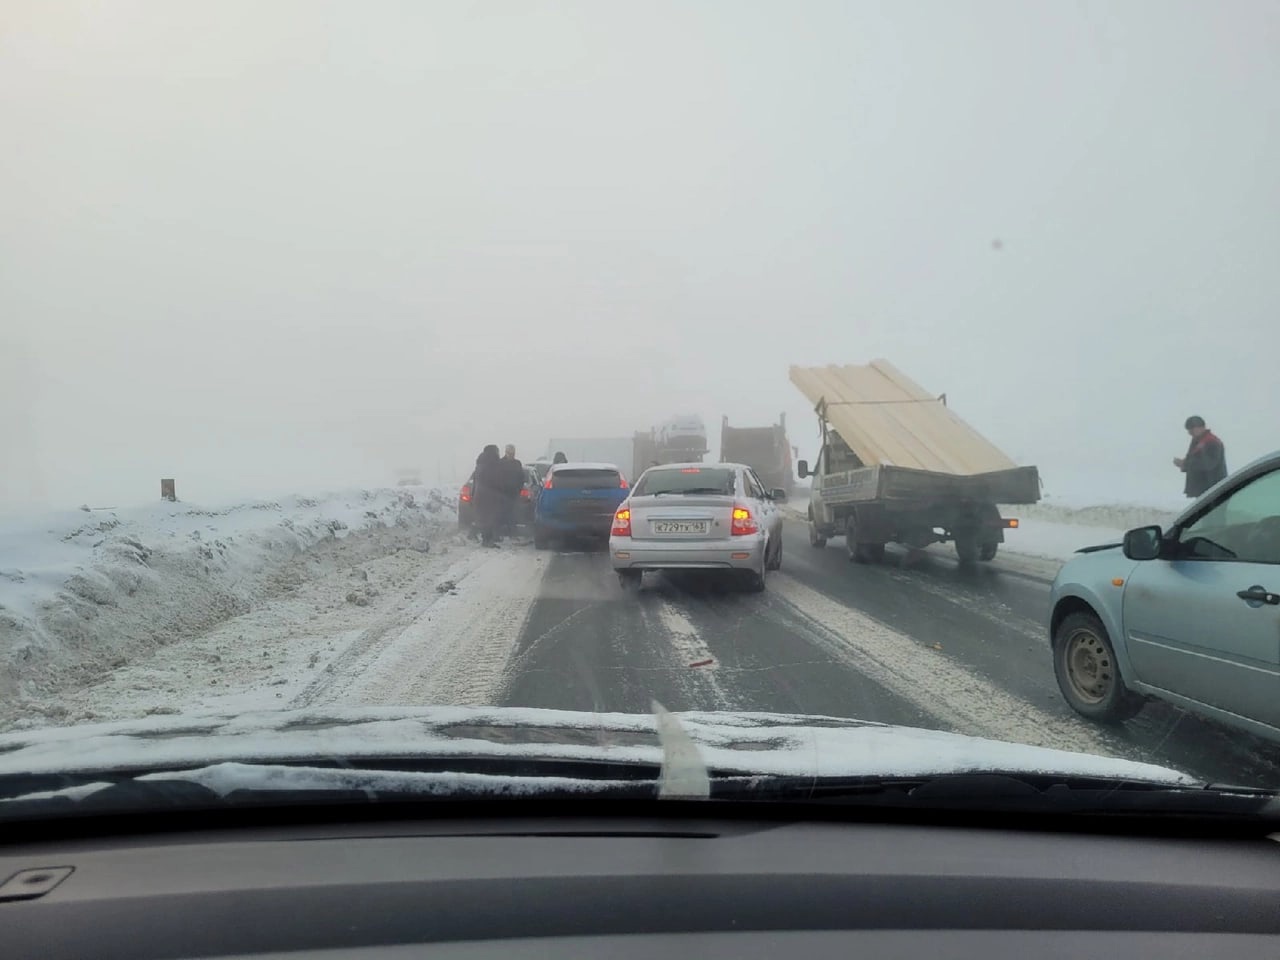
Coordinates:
524 492
622 482
743 522
621 523
546 484
465 496
690 469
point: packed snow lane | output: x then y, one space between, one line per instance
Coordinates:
589 646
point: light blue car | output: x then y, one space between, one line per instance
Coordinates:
1190 615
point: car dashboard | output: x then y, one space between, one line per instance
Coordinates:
634 886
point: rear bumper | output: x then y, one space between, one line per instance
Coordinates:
576 526
740 553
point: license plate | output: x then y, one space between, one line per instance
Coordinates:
679 526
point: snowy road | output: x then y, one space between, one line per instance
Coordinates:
917 641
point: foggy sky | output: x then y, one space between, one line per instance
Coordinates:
271 246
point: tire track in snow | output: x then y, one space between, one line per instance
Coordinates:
693 665
331 683
457 650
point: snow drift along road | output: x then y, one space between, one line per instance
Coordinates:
84 592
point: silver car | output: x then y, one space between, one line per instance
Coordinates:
698 516
1190 615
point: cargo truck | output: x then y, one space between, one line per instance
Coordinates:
765 450
897 465
619 451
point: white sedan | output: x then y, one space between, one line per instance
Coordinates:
696 516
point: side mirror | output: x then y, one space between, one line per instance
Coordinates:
802 468
1143 543
779 495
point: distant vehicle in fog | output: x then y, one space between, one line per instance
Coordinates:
765 449
686 432
618 451
1190 615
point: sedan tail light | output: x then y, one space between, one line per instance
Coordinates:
465 496
743 522
621 523
524 493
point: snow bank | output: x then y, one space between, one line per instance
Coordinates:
85 591
1054 531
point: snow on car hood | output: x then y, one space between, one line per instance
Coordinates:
727 742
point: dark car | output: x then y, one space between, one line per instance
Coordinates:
528 496
524 511
467 504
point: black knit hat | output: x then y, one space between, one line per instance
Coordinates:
1194 422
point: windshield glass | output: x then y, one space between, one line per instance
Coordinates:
687 480
332 336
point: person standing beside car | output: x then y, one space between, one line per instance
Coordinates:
488 494
1206 460
512 483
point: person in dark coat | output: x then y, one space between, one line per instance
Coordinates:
1206 460
512 484
488 494
559 457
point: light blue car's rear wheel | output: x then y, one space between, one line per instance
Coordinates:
1088 673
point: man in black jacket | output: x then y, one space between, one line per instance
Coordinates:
487 494
512 483
1206 460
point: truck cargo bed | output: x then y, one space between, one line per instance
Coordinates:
907 484
886 418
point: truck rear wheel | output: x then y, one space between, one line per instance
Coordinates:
967 547
988 552
816 540
860 552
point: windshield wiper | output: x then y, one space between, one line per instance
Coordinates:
1009 792
321 781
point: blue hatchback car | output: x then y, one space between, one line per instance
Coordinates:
577 501
1190 614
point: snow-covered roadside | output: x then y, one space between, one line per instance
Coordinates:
85 593
1056 532
366 621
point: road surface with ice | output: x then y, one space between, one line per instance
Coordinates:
407 611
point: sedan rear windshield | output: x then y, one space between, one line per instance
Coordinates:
585 479
716 480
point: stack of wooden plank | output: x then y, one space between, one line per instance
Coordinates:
888 419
